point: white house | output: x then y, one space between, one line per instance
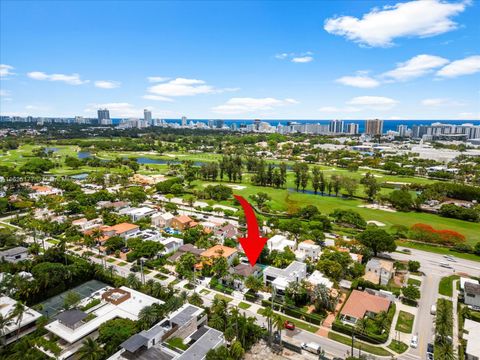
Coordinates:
280 278
172 244
14 255
317 278
15 330
83 224
162 220
471 333
464 280
72 326
280 242
138 213
472 294
308 249
44 190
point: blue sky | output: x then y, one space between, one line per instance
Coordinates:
269 60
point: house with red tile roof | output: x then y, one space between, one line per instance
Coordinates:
361 304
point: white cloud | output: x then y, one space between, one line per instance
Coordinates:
73 79
181 87
301 58
107 84
441 102
248 105
380 27
5 70
469 116
415 67
154 79
467 66
359 81
4 93
373 102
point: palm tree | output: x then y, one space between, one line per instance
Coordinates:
278 324
18 312
236 350
268 314
4 322
147 317
90 350
361 325
195 299
133 282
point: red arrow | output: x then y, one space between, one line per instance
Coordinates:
253 244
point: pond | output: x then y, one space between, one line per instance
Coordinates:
84 154
54 305
50 149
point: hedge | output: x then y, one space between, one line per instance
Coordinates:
295 312
347 329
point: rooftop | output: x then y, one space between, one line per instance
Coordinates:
13 251
219 250
360 302
184 219
122 227
473 345
7 305
472 288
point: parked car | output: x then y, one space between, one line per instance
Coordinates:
289 325
433 309
430 348
414 341
312 347
125 250
445 265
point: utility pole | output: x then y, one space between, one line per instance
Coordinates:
353 340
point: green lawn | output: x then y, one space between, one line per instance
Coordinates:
415 282
177 342
110 260
300 324
205 291
174 282
372 349
161 277
438 250
244 306
445 287
398 346
123 263
223 297
405 322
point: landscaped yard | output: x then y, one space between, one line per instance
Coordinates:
174 282
177 342
405 322
223 297
110 260
398 346
300 324
446 285
204 291
244 306
376 350
161 277
414 282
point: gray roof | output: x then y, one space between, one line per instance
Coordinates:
210 340
184 316
13 251
135 342
245 269
71 317
472 288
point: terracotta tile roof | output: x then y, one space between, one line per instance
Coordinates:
360 302
122 227
219 250
184 219
40 188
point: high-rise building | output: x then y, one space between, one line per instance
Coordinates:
374 127
256 124
147 115
218 124
104 117
402 130
335 126
353 128
184 121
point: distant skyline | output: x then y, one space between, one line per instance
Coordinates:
241 60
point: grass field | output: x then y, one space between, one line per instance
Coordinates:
372 349
437 250
244 306
300 324
445 287
282 199
405 322
223 297
398 346
414 282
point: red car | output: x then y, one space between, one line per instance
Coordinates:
289 325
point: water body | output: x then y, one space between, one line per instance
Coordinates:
84 154
50 149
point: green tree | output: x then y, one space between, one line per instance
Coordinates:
377 240
413 266
71 299
371 185
411 292
90 350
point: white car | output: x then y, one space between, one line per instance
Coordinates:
414 341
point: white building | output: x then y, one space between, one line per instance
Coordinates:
44 190
172 244
83 224
162 220
73 326
317 278
138 213
280 278
15 330
471 333
280 242
308 249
